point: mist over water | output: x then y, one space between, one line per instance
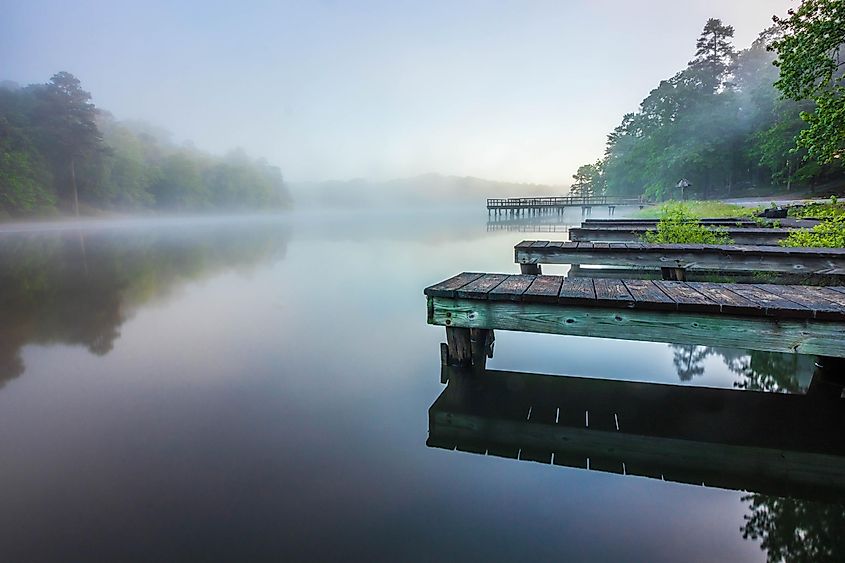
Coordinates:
258 387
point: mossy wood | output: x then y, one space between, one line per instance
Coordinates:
726 258
743 235
761 317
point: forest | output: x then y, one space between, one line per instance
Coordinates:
60 153
761 120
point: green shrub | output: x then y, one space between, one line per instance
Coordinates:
830 210
830 234
679 225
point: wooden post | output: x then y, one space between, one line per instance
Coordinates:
828 378
681 274
460 349
481 346
531 269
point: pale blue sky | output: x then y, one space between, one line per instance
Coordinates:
522 91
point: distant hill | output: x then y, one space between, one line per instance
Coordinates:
426 189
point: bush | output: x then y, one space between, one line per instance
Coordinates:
679 225
829 234
830 210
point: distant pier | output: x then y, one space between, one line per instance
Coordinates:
531 206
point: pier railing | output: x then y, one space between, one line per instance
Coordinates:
562 201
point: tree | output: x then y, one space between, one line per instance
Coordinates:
589 181
66 122
810 59
714 53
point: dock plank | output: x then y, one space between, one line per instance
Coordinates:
544 289
480 287
773 304
645 292
575 290
808 297
687 298
447 288
612 292
512 288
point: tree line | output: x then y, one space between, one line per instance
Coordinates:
769 116
58 151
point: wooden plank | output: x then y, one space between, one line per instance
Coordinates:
773 304
576 290
729 258
543 289
729 302
511 289
687 298
803 336
646 293
612 292
480 287
447 288
808 297
540 244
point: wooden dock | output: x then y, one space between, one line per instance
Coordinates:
767 236
773 443
723 258
799 319
527 206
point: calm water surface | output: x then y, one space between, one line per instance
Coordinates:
258 388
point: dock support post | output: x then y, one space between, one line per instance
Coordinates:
673 274
467 347
828 378
531 269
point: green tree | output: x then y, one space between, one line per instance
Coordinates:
809 56
66 123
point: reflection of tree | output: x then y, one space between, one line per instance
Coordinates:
796 530
61 288
772 371
689 360
759 371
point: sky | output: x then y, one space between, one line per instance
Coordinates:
521 91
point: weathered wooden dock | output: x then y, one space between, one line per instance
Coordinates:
771 443
528 206
725 258
768 236
799 319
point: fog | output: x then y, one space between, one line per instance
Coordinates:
373 90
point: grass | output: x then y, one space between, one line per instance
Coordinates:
699 209
678 224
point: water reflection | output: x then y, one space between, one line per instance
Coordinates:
756 370
764 442
78 288
796 530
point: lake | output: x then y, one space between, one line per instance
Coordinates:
252 388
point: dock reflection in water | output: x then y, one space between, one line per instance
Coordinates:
787 450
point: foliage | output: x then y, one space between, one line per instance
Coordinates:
809 56
796 530
719 123
829 234
57 149
589 181
679 225
830 210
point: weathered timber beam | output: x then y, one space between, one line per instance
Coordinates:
766 334
790 263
